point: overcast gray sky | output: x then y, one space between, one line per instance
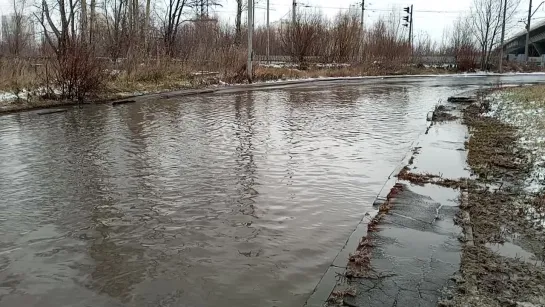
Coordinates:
431 16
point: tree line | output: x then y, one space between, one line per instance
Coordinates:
73 34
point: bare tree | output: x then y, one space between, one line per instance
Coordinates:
84 19
17 32
76 71
346 36
423 46
92 21
299 38
386 44
462 45
487 23
116 19
238 23
173 20
59 34
146 22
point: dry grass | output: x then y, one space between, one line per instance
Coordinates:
422 179
488 278
17 75
491 147
535 93
263 73
135 77
149 78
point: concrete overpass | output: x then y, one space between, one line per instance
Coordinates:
537 41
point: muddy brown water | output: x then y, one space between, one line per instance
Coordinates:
240 199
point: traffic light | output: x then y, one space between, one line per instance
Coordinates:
408 21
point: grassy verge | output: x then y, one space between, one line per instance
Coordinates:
502 263
529 95
276 73
165 77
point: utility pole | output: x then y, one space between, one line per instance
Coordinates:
293 20
502 36
362 13
268 32
250 36
361 28
409 23
293 12
527 45
411 29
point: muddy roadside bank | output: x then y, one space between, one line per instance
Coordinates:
22 106
173 82
459 227
502 257
407 251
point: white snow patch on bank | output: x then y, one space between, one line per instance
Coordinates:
529 118
5 96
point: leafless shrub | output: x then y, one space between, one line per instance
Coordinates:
347 37
77 73
299 39
147 43
17 31
385 46
17 76
486 22
460 43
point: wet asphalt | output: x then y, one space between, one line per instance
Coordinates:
415 254
416 248
241 199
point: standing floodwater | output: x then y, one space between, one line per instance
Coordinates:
225 200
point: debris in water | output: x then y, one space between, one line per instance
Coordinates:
462 99
52 111
116 103
441 114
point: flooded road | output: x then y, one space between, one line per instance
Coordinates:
240 199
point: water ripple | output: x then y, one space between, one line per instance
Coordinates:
199 201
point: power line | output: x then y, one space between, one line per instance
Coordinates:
370 9
383 9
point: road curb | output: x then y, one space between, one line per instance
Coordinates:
327 284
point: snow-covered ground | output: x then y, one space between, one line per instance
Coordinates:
7 97
529 118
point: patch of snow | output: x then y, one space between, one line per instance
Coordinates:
5 96
113 72
529 119
332 65
278 65
205 73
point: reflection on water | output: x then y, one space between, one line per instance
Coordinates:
225 200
